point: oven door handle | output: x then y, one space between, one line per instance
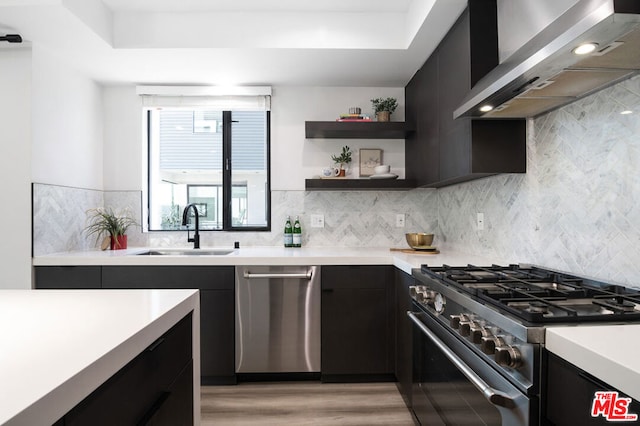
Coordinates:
492 395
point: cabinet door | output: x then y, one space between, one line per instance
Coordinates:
174 407
67 277
422 145
569 395
200 277
357 324
444 151
454 81
146 382
217 308
217 331
404 341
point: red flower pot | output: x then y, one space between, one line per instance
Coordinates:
119 242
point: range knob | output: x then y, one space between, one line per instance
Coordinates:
455 320
478 332
466 326
489 344
508 356
414 290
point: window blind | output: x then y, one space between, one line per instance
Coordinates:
250 98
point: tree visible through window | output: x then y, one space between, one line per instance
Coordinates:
217 160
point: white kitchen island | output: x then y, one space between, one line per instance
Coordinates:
608 352
58 346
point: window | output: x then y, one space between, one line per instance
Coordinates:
216 159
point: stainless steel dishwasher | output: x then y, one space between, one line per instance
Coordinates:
277 319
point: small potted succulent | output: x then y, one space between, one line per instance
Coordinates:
104 222
344 158
384 107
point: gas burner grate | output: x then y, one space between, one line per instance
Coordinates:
539 296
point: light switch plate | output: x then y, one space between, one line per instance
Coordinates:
317 221
400 220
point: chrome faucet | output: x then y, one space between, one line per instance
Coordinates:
185 218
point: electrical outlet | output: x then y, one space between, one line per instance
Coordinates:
480 221
400 220
317 221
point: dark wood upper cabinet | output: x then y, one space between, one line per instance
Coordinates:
443 151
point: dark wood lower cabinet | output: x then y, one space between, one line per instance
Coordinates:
68 277
404 336
358 314
155 388
217 342
569 393
357 323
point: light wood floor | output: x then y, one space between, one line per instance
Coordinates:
304 403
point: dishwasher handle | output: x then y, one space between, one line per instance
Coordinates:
307 275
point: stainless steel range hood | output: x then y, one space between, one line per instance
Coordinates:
545 74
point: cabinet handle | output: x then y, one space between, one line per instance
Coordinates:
248 275
148 416
155 344
492 395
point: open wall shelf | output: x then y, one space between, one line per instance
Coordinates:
355 130
359 184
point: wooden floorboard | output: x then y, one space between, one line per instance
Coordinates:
304 403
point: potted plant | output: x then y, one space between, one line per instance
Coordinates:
343 159
384 107
103 222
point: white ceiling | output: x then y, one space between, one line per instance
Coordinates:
248 42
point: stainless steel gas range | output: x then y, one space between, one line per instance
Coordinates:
479 337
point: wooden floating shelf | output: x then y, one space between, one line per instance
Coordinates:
355 130
359 184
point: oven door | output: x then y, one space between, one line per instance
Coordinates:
453 386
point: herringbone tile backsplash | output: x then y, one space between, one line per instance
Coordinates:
576 209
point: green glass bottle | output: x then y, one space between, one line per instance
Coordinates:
297 233
288 233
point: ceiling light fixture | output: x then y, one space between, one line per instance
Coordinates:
486 108
585 48
11 38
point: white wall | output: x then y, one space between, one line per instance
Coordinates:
15 170
293 159
67 124
124 161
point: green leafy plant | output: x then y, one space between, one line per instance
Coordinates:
104 221
384 104
344 157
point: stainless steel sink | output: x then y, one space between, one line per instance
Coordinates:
186 252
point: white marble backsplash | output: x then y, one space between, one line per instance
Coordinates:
352 219
60 215
577 208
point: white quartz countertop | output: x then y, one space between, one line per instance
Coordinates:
59 345
270 256
608 352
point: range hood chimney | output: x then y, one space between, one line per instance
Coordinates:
545 73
